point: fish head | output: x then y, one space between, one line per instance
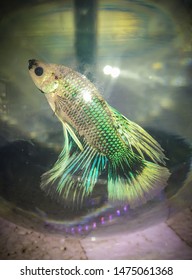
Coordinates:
45 76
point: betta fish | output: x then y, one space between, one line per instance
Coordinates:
97 139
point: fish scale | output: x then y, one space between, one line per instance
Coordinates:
98 138
92 120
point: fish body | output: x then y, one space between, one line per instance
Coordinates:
97 138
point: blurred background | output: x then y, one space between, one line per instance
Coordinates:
139 56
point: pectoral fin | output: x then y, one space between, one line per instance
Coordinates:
73 135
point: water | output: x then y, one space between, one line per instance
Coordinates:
136 54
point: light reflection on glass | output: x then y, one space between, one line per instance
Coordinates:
113 71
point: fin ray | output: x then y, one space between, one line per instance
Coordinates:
137 138
59 166
131 179
72 133
74 176
138 184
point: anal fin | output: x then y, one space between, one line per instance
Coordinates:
74 174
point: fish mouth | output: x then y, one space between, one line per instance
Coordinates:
31 63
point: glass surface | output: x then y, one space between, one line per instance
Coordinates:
139 57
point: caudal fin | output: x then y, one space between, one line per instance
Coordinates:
135 181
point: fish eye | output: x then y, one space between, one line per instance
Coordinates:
39 71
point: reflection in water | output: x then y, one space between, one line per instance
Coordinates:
148 79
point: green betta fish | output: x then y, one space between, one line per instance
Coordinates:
97 138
